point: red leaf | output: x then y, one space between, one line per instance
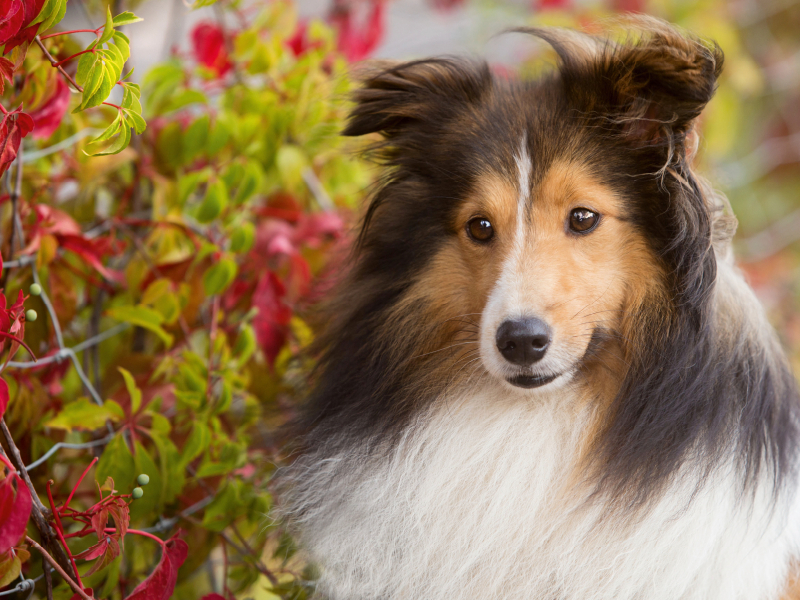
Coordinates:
208 42
299 42
23 34
271 324
3 397
14 126
88 251
88 591
12 15
48 117
6 502
313 229
161 582
213 596
122 516
99 522
355 42
53 221
13 528
94 551
105 551
6 72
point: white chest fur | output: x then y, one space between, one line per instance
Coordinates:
475 502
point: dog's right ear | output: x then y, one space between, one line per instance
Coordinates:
393 99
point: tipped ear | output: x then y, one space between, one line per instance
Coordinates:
393 98
651 86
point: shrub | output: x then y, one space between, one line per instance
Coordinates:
160 272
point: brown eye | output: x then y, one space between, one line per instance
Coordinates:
480 229
583 220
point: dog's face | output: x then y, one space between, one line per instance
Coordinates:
533 264
532 214
553 262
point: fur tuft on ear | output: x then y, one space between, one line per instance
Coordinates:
392 99
648 87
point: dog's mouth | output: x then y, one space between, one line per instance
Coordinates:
531 381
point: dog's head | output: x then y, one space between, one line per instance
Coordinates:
536 217
529 235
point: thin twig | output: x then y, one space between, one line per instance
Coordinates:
48 578
54 62
78 590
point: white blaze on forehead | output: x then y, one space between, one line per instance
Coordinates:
523 161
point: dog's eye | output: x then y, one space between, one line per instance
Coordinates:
583 220
480 229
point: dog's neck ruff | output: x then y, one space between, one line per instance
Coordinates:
481 498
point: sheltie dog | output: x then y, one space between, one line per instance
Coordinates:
543 377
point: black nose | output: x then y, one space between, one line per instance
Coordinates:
523 341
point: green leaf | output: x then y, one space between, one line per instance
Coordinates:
196 443
174 472
189 182
47 9
135 121
122 43
194 139
122 141
154 493
223 510
184 98
219 276
101 80
250 184
116 60
245 344
143 317
133 391
126 18
85 64
291 162
214 202
83 415
243 238
217 138
109 131
130 99
108 30
94 79
117 463
52 12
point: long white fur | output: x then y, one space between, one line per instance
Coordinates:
483 497
479 501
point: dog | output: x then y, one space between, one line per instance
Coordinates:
543 376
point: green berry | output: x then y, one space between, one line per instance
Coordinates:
30 315
143 479
35 289
137 493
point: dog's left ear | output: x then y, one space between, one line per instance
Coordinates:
648 88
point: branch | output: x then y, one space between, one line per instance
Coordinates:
78 590
38 511
54 62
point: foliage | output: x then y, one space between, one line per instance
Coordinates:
169 263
